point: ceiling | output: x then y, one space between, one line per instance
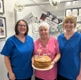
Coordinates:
58 10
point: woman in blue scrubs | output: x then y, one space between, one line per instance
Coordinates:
17 53
70 48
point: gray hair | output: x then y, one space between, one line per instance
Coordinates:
44 24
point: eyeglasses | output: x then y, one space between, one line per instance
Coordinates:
21 25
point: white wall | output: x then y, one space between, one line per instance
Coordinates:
9 15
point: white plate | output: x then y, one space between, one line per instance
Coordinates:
42 69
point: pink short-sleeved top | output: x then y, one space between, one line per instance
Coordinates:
51 49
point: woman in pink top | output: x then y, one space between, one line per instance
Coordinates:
49 46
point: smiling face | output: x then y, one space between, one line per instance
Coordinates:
69 26
69 23
22 27
43 32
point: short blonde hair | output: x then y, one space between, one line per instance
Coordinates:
71 19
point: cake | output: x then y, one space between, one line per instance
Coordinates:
42 61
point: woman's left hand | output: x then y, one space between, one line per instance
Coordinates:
53 62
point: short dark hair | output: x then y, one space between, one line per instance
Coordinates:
16 27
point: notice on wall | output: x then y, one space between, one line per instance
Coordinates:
35 33
34 22
29 18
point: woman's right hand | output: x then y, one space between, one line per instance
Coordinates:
12 76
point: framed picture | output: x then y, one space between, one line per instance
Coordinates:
1 6
2 27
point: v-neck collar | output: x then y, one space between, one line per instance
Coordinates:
70 37
20 40
43 44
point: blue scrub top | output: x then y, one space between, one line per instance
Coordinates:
69 63
20 56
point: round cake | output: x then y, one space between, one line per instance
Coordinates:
42 61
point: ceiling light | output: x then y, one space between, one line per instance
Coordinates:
54 2
75 2
19 7
68 3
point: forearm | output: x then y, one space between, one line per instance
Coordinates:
8 64
9 68
32 59
57 57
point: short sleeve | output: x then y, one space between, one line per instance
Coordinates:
7 48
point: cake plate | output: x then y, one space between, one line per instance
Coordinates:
48 68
